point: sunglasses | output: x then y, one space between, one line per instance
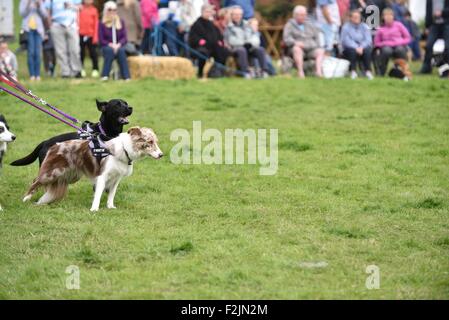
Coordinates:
112 9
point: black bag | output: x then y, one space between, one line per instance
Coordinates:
23 39
395 72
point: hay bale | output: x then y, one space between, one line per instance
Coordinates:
164 68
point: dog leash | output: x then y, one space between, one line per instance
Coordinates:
10 81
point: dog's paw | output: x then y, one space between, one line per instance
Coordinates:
27 198
111 207
93 209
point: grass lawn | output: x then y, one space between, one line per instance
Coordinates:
363 179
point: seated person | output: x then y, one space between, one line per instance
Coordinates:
301 37
113 47
356 41
392 39
206 38
8 60
241 39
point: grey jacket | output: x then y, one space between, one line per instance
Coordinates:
28 8
310 35
132 19
236 35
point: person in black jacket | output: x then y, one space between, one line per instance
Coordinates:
437 26
206 38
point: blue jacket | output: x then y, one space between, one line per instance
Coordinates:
246 5
356 36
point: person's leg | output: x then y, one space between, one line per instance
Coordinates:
446 42
385 54
298 56
108 58
123 63
74 51
37 55
351 55
93 54
366 59
82 49
59 40
242 59
259 54
319 55
414 45
434 30
30 53
400 52
202 62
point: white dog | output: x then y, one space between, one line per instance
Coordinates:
68 161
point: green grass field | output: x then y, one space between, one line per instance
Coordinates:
363 179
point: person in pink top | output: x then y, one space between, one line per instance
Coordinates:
392 39
150 18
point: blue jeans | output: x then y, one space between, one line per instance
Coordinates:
34 53
109 56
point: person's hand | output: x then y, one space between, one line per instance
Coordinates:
438 13
202 42
359 51
220 43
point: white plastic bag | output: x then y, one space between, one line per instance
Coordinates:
335 68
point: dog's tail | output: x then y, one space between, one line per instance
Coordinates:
29 158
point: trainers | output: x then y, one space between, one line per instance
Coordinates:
95 74
369 75
83 73
354 75
104 78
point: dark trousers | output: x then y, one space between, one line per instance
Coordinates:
86 42
220 54
436 31
242 55
354 58
399 52
147 42
109 56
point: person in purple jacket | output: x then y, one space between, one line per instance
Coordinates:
112 39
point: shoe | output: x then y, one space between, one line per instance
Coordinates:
38 78
83 73
354 75
265 75
32 78
247 76
95 74
104 78
78 75
369 75
426 70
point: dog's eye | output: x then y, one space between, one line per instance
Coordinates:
151 141
2 129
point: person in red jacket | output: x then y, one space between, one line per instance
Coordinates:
88 30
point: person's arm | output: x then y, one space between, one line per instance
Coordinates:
101 35
346 38
325 10
378 43
123 38
445 12
25 8
287 35
137 15
41 9
429 13
406 38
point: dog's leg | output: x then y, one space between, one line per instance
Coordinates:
99 188
111 195
33 188
54 192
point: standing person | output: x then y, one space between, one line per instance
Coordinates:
399 9
328 16
206 38
357 44
246 5
33 14
88 30
129 12
413 29
150 18
64 33
343 9
112 38
392 39
437 25
301 38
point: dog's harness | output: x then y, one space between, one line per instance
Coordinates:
130 162
96 143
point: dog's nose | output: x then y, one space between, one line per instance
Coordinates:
13 138
130 109
160 155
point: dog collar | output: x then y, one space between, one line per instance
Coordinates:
130 162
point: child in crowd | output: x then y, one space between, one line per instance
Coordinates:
413 29
255 39
150 18
8 60
88 30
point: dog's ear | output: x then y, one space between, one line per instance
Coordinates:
101 105
2 119
135 131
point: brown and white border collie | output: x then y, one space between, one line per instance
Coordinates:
68 161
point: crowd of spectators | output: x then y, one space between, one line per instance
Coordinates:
64 31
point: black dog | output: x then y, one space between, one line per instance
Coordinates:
113 117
